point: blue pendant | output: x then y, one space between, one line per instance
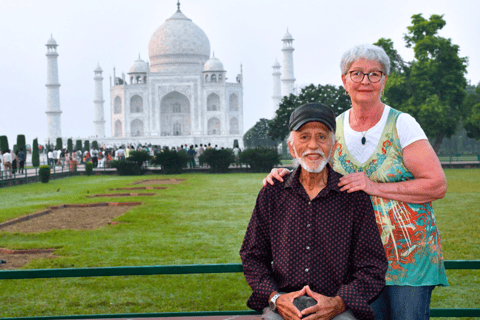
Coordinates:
364 140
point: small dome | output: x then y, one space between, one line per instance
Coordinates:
139 66
213 64
287 36
276 64
51 41
98 69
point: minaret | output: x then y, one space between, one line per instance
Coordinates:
288 77
99 121
54 127
277 88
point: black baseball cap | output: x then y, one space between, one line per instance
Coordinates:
312 112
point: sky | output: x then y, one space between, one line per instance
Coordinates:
113 33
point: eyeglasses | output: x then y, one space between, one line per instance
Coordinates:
374 76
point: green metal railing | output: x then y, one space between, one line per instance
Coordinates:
188 269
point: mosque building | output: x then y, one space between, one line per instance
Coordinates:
180 96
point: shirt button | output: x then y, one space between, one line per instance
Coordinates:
306 270
308 248
308 225
310 202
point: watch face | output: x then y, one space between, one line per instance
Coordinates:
272 305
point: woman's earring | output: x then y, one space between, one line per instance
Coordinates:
346 93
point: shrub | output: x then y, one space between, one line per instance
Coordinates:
139 157
218 160
69 145
78 145
59 145
4 143
171 161
127 168
35 154
95 144
44 173
260 159
87 146
89 168
21 144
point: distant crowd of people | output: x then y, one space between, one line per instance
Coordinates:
11 161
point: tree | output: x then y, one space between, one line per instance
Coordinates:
21 144
86 145
431 88
397 64
78 145
35 154
257 135
471 116
329 95
3 143
69 145
95 144
59 145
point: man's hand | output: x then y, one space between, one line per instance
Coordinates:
285 306
276 173
326 307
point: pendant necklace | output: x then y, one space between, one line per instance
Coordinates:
364 140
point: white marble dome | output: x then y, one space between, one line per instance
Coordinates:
178 41
139 66
51 42
287 36
213 64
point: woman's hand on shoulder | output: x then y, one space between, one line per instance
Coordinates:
277 173
355 182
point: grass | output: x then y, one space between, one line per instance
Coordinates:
201 220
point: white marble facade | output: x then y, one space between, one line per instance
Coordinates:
181 96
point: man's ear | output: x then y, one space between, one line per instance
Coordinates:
290 148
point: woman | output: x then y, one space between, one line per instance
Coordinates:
88 157
386 154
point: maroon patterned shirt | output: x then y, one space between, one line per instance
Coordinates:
330 243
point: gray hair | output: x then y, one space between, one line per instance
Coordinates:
367 52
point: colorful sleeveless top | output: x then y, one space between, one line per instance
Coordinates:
409 231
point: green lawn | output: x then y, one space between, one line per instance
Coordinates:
199 221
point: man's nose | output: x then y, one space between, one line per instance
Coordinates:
312 144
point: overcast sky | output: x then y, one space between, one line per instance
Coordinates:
248 32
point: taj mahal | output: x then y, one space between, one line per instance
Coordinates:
181 96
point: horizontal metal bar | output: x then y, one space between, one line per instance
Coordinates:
454 313
157 270
435 313
462 264
146 315
120 271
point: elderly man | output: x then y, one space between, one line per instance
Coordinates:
308 238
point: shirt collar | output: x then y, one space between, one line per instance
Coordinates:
293 181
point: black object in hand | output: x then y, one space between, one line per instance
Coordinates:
304 302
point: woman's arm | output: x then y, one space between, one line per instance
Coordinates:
420 159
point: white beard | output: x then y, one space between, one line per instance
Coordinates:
300 161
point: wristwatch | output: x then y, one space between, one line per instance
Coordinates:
272 302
